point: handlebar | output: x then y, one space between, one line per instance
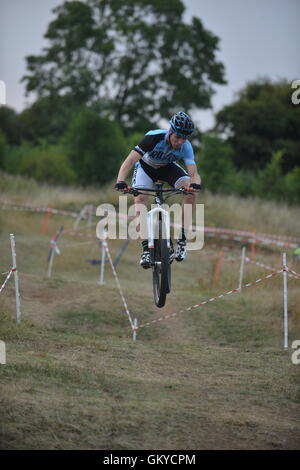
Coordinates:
137 191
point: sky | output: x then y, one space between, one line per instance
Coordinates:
258 38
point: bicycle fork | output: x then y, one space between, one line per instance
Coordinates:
155 217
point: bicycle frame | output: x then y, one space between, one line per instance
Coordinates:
152 218
159 241
154 214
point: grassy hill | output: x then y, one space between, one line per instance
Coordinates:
213 377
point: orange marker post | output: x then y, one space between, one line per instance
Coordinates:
46 219
218 265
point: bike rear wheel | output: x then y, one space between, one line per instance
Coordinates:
161 267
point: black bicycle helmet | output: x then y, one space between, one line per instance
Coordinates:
182 124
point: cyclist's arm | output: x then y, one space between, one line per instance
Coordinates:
193 173
128 163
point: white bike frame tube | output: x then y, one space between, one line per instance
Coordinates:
152 216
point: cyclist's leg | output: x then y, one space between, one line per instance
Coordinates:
141 179
187 207
188 202
176 177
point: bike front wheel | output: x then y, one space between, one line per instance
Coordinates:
161 269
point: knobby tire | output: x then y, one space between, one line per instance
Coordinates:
162 271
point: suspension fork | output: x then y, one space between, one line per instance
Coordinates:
153 217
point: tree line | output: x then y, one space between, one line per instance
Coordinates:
113 70
254 148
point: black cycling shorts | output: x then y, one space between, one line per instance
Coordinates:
145 175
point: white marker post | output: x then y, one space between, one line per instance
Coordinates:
285 303
90 215
51 260
80 216
16 276
54 249
242 267
134 330
102 263
2 353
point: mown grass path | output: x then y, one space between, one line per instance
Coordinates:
215 377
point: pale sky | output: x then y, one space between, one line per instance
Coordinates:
258 38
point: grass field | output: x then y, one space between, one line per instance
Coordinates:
213 377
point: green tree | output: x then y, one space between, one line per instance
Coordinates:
47 118
137 57
3 150
262 121
10 125
270 181
292 185
42 162
96 146
215 163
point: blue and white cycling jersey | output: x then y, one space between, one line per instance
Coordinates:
156 153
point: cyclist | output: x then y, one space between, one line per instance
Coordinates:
155 158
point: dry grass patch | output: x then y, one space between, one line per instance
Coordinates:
213 377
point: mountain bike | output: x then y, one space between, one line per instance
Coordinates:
159 240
